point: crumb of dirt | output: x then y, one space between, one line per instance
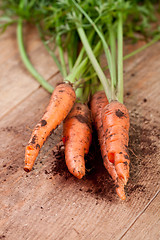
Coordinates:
46 172
133 74
9 167
10 129
89 190
2 236
145 100
128 93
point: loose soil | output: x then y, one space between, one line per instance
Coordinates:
143 142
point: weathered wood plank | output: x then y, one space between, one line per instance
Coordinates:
15 82
147 225
49 203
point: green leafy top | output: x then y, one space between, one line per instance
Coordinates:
98 24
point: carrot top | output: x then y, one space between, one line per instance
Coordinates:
65 24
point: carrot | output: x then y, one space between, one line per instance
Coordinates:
112 124
77 136
115 120
61 102
98 102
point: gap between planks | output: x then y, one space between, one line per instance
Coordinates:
137 217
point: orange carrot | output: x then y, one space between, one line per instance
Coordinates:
77 138
115 120
98 102
112 125
61 102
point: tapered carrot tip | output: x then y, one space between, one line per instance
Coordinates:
27 168
78 173
120 193
120 190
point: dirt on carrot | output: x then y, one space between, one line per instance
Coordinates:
115 120
143 145
61 102
77 136
112 124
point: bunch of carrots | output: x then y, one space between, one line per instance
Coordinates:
82 30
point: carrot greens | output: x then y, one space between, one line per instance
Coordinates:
26 60
75 28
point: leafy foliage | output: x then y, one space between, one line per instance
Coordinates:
58 21
59 16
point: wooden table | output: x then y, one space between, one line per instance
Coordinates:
49 203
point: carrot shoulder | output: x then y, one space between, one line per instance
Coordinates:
115 120
61 102
77 134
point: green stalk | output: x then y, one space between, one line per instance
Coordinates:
100 34
112 39
86 93
81 68
81 54
73 76
94 82
96 52
142 48
27 62
48 48
94 62
129 55
80 57
72 49
79 94
69 43
61 55
120 58
70 59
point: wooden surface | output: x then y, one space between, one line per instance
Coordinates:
49 203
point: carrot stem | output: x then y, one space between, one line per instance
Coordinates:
94 61
113 56
81 54
81 67
120 57
26 60
154 40
79 59
61 55
157 38
73 76
100 34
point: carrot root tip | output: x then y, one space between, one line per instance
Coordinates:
27 168
120 192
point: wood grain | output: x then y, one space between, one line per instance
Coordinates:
16 83
49 203
147 226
